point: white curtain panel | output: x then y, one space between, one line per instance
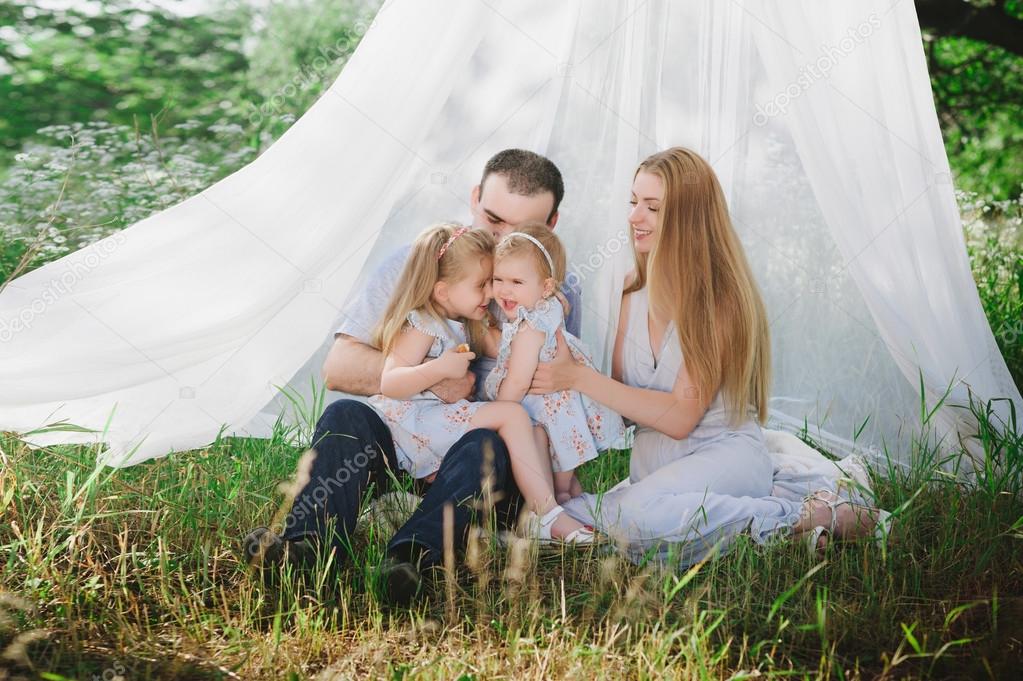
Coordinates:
817 117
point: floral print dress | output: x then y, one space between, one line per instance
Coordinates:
577 426
424 427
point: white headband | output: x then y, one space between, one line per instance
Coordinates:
536 242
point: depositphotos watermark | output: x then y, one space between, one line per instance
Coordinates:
74 271
317 491
314 492
814 71
309 73
580 270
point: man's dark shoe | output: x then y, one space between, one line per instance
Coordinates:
262 548
401 582
266 551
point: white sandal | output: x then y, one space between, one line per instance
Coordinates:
882 528
539 529
813 538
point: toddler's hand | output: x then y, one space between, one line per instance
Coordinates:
455 364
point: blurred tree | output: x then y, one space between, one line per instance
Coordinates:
256 64
113 60
988 21
974 50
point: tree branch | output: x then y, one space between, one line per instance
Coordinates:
990 24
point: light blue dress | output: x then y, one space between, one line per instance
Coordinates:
577 426
687 495
424 427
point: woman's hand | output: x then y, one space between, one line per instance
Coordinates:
559 374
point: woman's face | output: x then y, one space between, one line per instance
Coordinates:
644 218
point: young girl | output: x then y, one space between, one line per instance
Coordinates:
528 270
432 329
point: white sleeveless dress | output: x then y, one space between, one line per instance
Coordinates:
685 495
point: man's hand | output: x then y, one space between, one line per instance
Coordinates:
558 374
451 390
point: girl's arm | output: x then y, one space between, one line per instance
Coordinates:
525 355
406 374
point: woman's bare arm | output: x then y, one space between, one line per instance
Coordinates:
673 413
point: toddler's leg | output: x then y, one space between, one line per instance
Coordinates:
576 489
563 485
543 443
531 466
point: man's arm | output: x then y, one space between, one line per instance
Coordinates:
355 368
574 319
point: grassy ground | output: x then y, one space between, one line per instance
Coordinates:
135 573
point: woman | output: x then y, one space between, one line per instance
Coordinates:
700 471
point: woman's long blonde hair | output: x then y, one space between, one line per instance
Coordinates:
423 270
697 276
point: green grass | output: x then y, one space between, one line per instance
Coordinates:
136 572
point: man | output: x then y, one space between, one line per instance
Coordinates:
354 449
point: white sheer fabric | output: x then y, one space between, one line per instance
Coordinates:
826 143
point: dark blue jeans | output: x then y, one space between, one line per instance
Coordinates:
355 458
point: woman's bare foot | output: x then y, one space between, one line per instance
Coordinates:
825 514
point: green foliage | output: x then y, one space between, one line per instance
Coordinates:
115 60
994 241
978 92
175 104
303 47
124 61
76 184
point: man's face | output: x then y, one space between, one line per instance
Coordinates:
499 210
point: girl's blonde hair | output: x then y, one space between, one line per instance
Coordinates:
516 245
434 257
698 276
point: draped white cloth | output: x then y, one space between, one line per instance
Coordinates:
817 117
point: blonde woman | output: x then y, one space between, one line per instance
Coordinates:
691 368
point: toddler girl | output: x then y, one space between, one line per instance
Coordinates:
529 267
438 308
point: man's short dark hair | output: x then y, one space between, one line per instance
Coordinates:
527 174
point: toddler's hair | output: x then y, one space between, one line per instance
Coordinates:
516 245
435 256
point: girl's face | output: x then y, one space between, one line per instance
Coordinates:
468 297
647 195
518 283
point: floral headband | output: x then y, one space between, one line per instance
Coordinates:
536 242
457 233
